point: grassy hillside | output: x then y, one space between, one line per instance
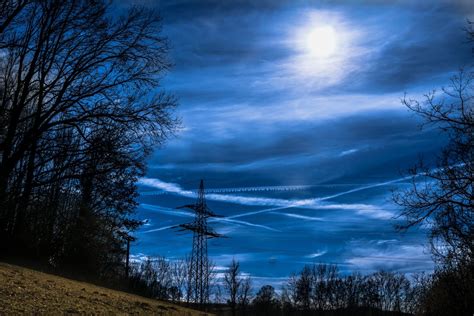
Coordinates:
25 291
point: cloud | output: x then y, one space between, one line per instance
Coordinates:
158 229
370 186
298 216
165 210
175 212
313 203
165 186
309 153
374 255
229 220
413 54
316 254
348 152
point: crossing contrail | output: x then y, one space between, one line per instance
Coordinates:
177 189
175 212
277 203
241 189
228 219
370 186
269 188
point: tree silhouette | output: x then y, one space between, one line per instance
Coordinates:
444 196
80 109
232 283
266 301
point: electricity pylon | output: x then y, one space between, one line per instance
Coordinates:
199 269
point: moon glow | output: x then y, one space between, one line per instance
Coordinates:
321 42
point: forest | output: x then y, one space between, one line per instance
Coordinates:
77 121
81 109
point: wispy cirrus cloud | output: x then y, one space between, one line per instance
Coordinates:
316 254
348 152
175 212
374 255
311 203
165 186
166 210
298 216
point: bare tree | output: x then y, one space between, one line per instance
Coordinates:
266 301
443 197
304 288
416 301
232 283
80 109
392 289
328 291
290 292
179 272
10 9
211 280
245 293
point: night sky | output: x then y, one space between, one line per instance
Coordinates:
297 105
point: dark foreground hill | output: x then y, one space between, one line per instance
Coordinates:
26 291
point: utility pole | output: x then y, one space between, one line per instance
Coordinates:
199 270
127 263
128 238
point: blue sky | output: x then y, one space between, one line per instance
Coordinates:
302 97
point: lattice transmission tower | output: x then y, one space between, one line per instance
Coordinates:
199 269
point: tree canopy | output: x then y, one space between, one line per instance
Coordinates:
80 109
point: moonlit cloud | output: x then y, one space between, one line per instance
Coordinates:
348 152
316 254
174 212
229 220
298 216
165 186
158 229
315 203
373 256
165 210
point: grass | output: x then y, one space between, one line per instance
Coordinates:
26 291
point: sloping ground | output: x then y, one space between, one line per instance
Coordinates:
25 291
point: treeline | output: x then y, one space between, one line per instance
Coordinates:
321 287
80 109
160 278
318 289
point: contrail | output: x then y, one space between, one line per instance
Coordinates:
174 212
387 182
166 210
158 229
246 200
227 219
370 209
259 189
309 218
313 203
365 188
260 211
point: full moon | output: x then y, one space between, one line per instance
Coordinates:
321 42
